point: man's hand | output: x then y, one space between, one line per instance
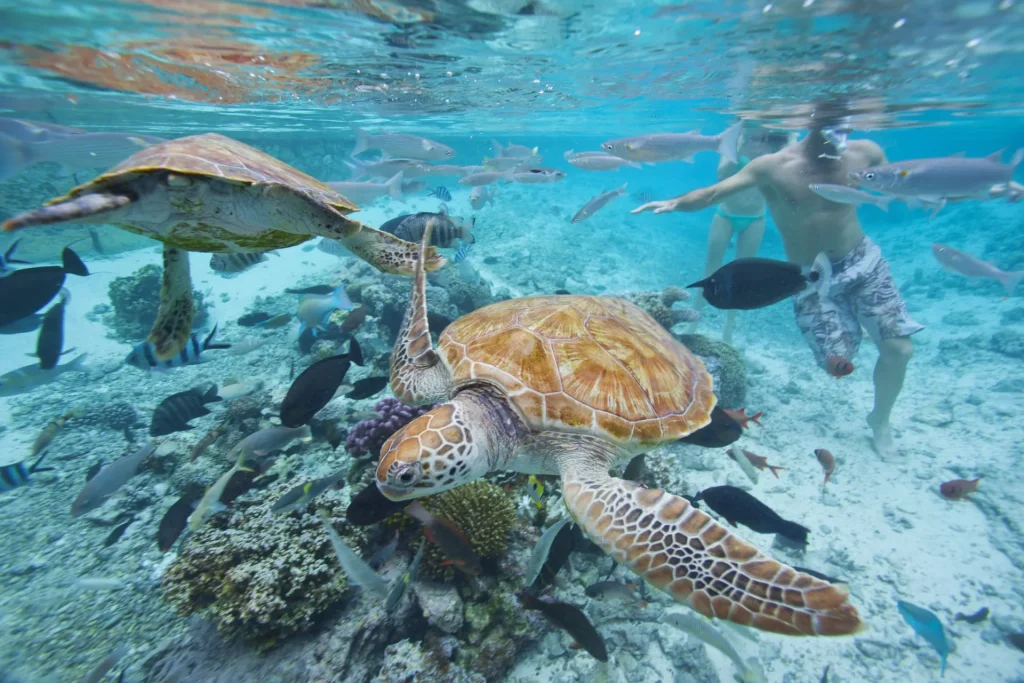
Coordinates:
665 206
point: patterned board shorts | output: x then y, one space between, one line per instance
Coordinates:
861 293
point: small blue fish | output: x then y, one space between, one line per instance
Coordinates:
314 310
462 253
144 357
6 260
927 625
16 475
442 193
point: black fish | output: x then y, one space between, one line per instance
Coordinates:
818 575
29 323
93 469
27 290
355 352
50 343
719 433
313 389
315 289
558 555
570 619
370 506
749 283
824 676
253 319
1016 639
306 341
176 518
367 387
94 237
979 616
437 323
234 263
117 533
739 507
635 468
562 291
175 411
442 193
410 228
239 483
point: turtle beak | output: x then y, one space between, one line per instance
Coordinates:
393 493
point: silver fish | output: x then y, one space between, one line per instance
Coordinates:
674 146
750 670
513 151
597 203
29 377
266 441
109 480
485 178
541 550
970 266
445 170
398 590
506 163
597 161
210 503
535 175
78 150
357 571
401 145
304 494
387 168
365 192
480 196
844 194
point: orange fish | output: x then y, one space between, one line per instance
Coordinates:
837 366
760 462
958 489
742 418
828 463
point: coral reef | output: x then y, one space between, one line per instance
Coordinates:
408 662
658 305
260 575
672 294
368 436
726 366
136 298
387 298
467 295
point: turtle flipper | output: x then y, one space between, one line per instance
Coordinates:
81 209
683 552
173 324
386 252
417 374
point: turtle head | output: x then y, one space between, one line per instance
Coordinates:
437 451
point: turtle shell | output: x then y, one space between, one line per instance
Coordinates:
582 364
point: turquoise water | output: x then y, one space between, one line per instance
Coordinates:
255 596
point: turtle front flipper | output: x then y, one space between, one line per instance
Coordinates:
82 209
417 374
173 324
382 250
683 552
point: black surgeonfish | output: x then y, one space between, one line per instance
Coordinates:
749 283
50 343
313 389
27 290
370 506
719 433
739 507
572 620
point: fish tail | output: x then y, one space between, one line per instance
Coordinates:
728 142
211 395
793 531
1018 156
755 420
395 187
774 469
821 274
621 190
882 202
72 263
363 140
828 475
466 231
340 298
1009 281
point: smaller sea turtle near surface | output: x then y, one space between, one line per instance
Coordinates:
574 385
210 193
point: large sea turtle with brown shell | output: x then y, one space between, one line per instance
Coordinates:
210 193
574 385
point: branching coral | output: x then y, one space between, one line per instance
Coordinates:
368 436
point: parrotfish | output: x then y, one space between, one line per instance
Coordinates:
267 441
303 494
540 552
398 590
29 377
927 625
314 310
210 503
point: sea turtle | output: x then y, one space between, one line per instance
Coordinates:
573 385
210 193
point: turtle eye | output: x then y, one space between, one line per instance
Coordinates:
405 474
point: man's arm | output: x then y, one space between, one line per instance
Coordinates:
696 200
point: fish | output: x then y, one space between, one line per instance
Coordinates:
387 168
174 412
208 439
109 480
236 389
442 193
367 387
571 620
505 164
739 507
48 432
535 487
480 197
99 671
750 283
384 555
355 569
969 266
759 461
742 418
29 377
313 389
314 310
17 474
370 506
959 489
398 590
275 322
402 145
513 151
8 258
819 575
210 503
267 441
566 540
242 481
615 590
75 150
447 537
536 175
360 415
413 186
598 161
702 630
351 323
175 519
447 229
50 343
838 367
365 192
540 551
736 454
93 470
462 253
597 203
304 494
635 469
247 345
94 239
115 535
978 617
25 291
314 289
29 323
484 178
1017 640
938 180
143 356
235 263
844 194
927 625
659 147
253 319
719 433
828 463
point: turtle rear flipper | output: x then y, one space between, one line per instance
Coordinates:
173 325
387 253
81 209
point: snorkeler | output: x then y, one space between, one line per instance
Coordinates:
741 215
862 291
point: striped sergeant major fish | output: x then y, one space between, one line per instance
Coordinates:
462 253
144 358
13 476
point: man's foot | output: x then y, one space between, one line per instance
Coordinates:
882 440
727 334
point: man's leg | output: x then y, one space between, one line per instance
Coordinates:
893 356
747 243
718 241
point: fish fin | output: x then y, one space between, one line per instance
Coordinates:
496 148
209 337
211 394
773 468
1018 156
938 207
996 157
822 267
622 188
394 187
1009 281
883 201
357 170
35 467
729 141
72 263
341 299
363 141
10 251
355 352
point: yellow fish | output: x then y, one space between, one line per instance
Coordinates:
536 489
